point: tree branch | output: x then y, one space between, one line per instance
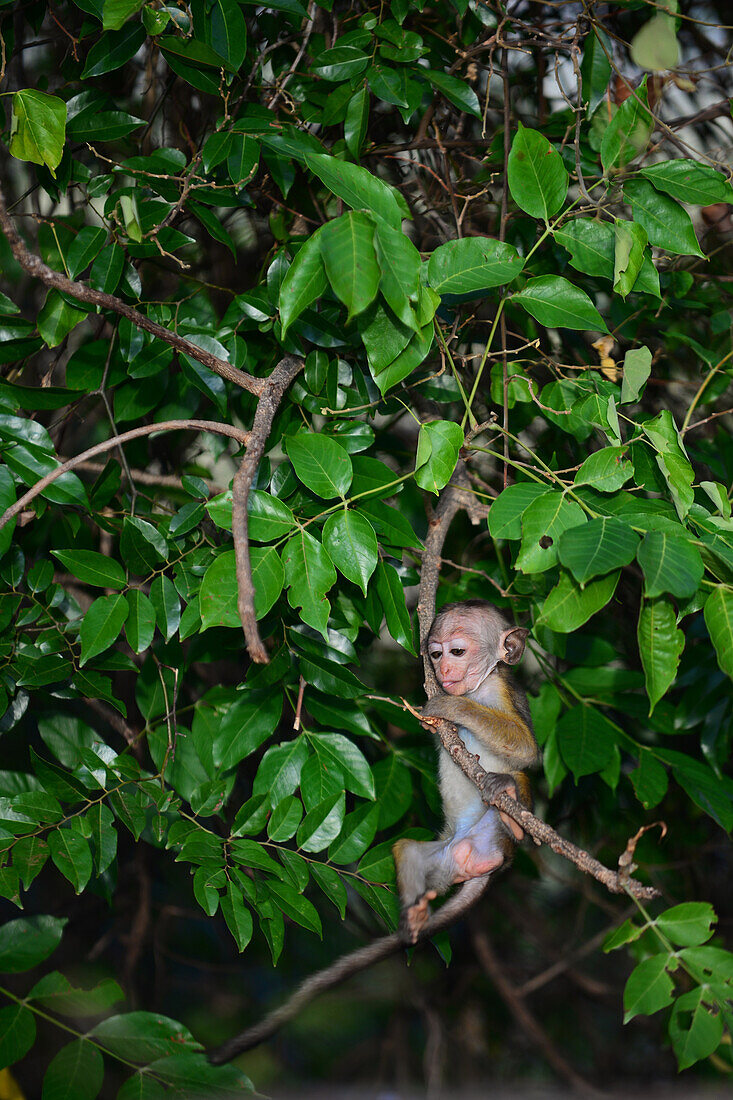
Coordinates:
109 444
343 968
35 266
277 383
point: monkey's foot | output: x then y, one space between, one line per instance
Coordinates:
470 862
417 915
504 784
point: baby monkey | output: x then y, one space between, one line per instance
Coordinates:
469 645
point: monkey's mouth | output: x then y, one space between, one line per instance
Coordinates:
448 685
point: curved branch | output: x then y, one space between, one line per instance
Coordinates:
277 383
343 968
109 444
35 266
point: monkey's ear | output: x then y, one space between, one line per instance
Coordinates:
511 644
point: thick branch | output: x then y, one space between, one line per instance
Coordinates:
343 968
267 406
109 444
614 882
35 266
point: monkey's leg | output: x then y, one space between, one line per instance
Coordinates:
482 849
424 870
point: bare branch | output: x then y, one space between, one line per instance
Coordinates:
109 444
277 383
35 266
343 968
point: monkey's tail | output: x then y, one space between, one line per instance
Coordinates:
342 969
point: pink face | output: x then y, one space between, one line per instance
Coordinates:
459 660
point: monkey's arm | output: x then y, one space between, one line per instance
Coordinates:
503 731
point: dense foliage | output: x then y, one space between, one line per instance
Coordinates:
495 238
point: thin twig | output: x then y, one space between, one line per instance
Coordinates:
109 444
35 266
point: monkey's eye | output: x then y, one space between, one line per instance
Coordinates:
435 655
457 652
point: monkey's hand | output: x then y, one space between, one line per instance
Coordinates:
502 783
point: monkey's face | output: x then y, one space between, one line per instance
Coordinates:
459 659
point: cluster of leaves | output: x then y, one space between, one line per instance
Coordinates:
119 598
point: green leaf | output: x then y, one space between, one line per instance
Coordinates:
688 181
637 368
648 989
335 749
689 924
590 243
167 605
100 820
556 303
455 90
140 622
505 513
92 568
295 906
672 459
697 1036
472 264
322 824
595 68
101 625
359 188
669 564
242 158
142 1036
438 445
347 248
359 830
605 470
111 52
237 916
70 852
227 32
392 598
630 242
117 12
341 63
400 264
285 818
279 772
330 882
719 496
56 319
597 547
57 993
586 739
660 647
650 780
85 246
718 613
247 723
543 521
304 283
352 545
537 177
321 463
654 47
38 128
356 121
309 574
26 942
568 606
17 1034
667 224
29 858
628 132
107 269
